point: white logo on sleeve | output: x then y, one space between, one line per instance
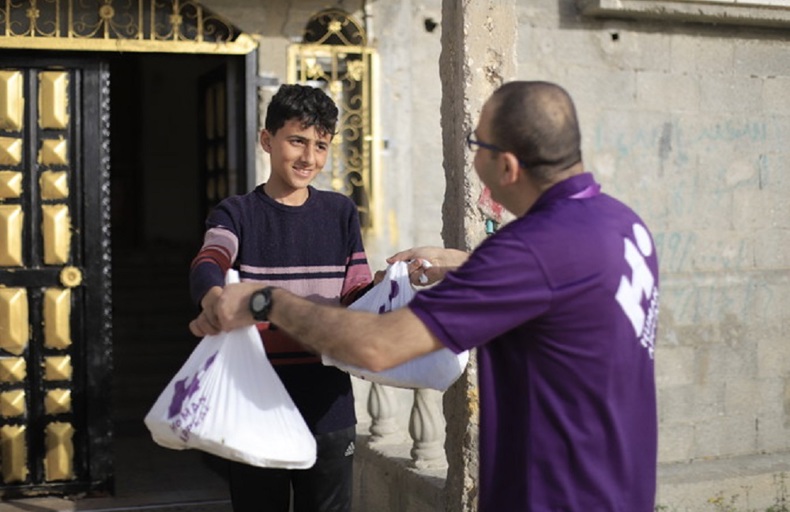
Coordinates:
641 284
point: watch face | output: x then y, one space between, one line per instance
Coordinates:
258 303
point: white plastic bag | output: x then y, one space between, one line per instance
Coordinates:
227 400
437 370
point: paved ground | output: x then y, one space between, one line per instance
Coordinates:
148 478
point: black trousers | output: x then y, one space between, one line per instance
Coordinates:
326 487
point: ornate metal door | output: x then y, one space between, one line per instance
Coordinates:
55 347
334 56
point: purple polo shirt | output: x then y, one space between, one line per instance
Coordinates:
562 306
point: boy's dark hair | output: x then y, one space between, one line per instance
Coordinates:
308 104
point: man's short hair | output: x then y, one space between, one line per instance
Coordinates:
309 105
537 122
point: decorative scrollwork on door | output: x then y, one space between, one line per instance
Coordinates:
119 25
334 55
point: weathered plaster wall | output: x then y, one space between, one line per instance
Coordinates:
478 55
410 95
689 124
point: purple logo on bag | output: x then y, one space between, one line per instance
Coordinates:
188 415
185 388
394 291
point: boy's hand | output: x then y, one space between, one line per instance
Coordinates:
226 309
379 276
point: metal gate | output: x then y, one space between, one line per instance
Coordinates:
334 56
55 347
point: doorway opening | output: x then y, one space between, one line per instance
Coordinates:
157 214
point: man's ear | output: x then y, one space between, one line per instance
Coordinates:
266 140
512 169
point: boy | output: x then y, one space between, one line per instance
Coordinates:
288 234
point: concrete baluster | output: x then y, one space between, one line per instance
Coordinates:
382 407
426 426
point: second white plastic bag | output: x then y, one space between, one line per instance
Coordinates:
227 400
436 370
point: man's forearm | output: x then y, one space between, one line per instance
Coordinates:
367 340
363 339
325 329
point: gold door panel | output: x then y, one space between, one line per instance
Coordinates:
10 151
13 370
60 451
57 368
53 99
57 318
10 184
12 103
58 401
14 449
54 185
46 207
56 228
54 152
11 218
12 403
14 331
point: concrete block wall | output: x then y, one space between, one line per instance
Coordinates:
410 181
689 124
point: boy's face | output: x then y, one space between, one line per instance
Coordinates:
297 153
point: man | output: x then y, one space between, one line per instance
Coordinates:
560 303
288 234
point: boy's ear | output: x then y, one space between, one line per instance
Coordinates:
266 140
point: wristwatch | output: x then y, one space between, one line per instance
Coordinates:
261 304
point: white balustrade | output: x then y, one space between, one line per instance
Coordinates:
426 427
426 423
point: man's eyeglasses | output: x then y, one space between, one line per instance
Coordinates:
471 143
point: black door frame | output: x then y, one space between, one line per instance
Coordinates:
88 203
91 250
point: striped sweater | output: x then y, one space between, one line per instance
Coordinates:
314 250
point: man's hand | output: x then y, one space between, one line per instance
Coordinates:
226 309
428 265
207 322
202 326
